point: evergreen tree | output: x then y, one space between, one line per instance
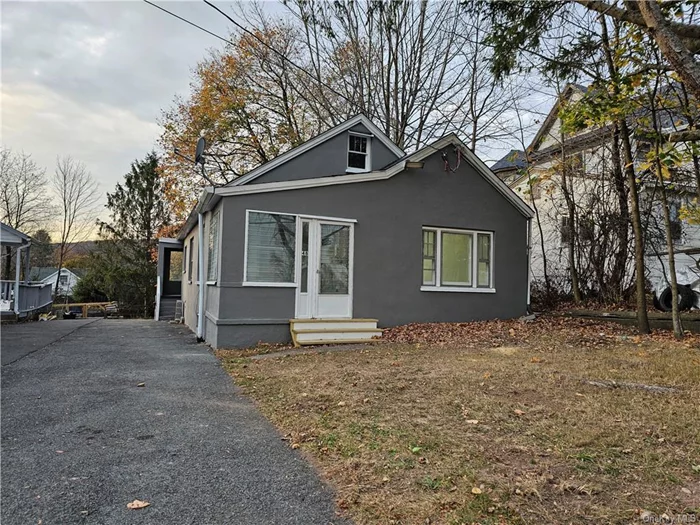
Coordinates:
123 267
42 250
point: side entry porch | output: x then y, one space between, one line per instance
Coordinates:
169 281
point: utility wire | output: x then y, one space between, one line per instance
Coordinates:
188 22
247 31
276 51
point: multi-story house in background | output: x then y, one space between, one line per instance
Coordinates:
571 177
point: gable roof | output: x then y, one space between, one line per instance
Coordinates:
211 194
317 140
11 237
515 159
553 114
41 273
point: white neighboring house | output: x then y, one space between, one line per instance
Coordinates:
66 281
592 188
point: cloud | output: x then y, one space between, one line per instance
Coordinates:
91 78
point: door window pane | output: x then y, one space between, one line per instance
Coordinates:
270 255
484 258
335 259
456 268
175 270
304 257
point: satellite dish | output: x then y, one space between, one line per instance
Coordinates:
199 152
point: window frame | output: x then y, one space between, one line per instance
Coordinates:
215 247
297 245
473 287
190 262
368 153
247 282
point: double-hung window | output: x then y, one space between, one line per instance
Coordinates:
457 260
270 248
359 147
213 261
190 263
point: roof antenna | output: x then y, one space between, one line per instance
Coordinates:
199 157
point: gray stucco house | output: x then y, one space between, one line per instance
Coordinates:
344 234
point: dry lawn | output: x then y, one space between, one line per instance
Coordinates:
494 423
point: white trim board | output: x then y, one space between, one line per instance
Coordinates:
317 140
223 191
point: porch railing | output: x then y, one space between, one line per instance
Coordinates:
32 296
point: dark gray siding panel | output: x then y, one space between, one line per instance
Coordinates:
387 271
255 302
326 159
244 336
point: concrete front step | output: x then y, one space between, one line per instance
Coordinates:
333 331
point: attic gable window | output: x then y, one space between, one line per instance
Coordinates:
359 147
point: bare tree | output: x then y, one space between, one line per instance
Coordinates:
418 69
77 194
24 202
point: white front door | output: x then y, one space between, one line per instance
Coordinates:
325 270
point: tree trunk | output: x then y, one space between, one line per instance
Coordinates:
642 317
60 266
671 45
571 209
620 259
675 310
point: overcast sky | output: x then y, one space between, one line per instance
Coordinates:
90 79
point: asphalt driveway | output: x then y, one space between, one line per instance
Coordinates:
21 339
81 439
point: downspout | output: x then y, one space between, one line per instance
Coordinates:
200 277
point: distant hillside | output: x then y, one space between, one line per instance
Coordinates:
78 248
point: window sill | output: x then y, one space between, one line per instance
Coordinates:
211 283
357 170
456 289
269 285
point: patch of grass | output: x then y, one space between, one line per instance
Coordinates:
404 432
430 483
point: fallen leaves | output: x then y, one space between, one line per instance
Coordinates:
138 504
498 333
493 334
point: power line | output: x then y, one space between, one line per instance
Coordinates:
188 22
276 51
247 31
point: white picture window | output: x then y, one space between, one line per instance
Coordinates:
358 153
270 248
457 260
213 262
